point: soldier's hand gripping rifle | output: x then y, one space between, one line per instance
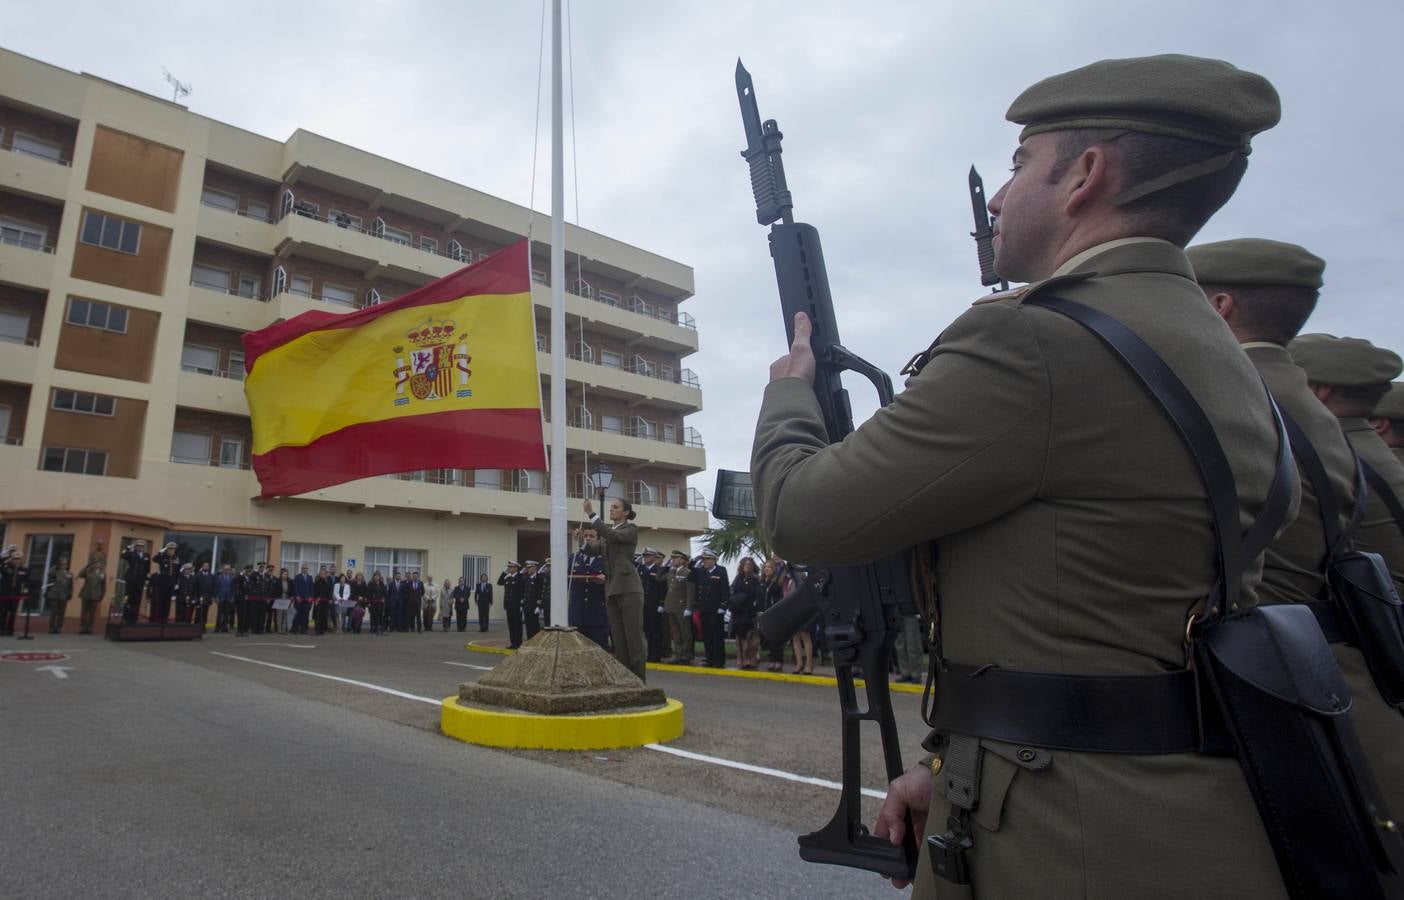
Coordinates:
858 605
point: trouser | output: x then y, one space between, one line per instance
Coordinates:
182 610
320 616
224 612
626 630
460 610
714 638
514 623
680 630
445 620
132 610
9 607
653 630
533 621
777 649
909 649
244 612
429 620
483 609
377 614
412 614
544 610
88 614
270 617
202 612
257 607
301 610
57 608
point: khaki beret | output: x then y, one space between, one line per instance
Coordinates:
1256 261
1344 361
678 554
1392 406
1191 97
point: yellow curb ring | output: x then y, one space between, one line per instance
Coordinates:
527 731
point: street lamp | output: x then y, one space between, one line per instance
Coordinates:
602 478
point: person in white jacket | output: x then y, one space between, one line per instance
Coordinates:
446 602
341 598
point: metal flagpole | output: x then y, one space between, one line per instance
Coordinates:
560 562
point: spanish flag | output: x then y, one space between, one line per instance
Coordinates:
443 377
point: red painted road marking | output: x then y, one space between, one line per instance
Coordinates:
37 656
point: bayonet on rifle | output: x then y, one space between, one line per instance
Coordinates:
858 604
983 233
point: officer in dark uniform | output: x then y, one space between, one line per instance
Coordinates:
713 591
531 600
14 585
587 598
543 592
138 567
186 594
482 596
654 592
511 583
164 585
243 586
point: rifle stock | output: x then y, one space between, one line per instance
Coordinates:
858 605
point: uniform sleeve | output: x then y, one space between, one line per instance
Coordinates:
963 444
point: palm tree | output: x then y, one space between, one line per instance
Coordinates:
735 538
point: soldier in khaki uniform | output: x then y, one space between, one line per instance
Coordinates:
1265 290
1071 525
94 577
677 607
1349 376
623 588
1388 419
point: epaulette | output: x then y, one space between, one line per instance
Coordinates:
1013 293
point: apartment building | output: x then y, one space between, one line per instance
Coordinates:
138 241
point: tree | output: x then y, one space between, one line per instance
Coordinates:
733 538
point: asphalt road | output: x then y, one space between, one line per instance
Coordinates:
183 769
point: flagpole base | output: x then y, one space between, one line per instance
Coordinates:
529 731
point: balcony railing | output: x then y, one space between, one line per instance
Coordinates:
226 289
26 242
26 341
689 437
56 160
210 463
647 369
234 372
9 441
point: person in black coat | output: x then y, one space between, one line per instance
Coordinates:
587 591
655 590
713 593
460 604
511 583
138 568
205 584
482 596
414 602
531 599
744 603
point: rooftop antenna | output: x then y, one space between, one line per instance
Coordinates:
178 88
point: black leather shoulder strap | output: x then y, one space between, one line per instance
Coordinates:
1337 539
1189 418
1385 492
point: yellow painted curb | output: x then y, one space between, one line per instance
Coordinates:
823 680
527 731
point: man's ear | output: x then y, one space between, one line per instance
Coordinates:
1323 392
1382 427
1088 179
1223 304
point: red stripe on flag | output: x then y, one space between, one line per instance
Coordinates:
455 439
508 271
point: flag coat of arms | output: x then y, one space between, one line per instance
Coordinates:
444 377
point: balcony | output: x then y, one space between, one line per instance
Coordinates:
681 391
18 361
33 173
636 445
221 391
635 323
26 262
235 229
228 308
368 249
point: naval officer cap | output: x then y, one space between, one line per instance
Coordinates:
1206 100
678 554
1256 261
1392 406
709 553
1344 361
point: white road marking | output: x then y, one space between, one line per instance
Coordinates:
469 666
372 687
674 751
60 672
263 644
759 770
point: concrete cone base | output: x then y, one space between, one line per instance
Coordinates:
561 691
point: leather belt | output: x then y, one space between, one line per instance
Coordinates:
1129 714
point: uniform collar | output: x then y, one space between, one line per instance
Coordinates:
1138 245
1356 423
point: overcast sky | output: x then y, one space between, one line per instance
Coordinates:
884 106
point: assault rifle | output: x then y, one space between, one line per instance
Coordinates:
858 605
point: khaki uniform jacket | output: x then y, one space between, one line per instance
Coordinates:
617 544
1294 567
1379 532
1074 536
681 590
94 577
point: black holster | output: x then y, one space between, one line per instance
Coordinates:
1364 593
1286 706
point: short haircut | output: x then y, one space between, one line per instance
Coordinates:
1175 213
1269 312
1358 400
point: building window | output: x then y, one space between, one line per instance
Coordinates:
314 556
210 278
74 461
92 314
219 550
341 296
612 424
23 234
541 344
190 447
235 369
231 453
201 361
670 434
488 479
280 280
531 481
301 284
674 496
219 200
45 550
14 327
540 277
249 286
455 251
474 566
256 209
30 145
78 401
397 235
429 245
388 560
111 232
609 299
